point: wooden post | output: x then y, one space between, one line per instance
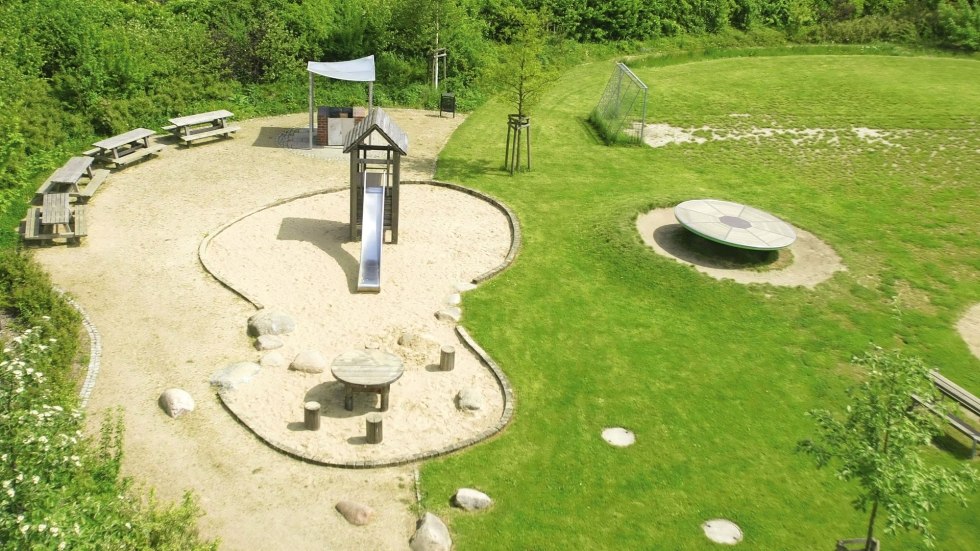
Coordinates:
447 358
311 415
374 432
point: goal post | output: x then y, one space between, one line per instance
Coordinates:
621 112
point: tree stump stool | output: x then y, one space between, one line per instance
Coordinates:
374 428
447 358
311 415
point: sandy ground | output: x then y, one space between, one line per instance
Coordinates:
969 329
165 322
813 260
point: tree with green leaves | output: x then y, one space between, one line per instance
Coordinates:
878 441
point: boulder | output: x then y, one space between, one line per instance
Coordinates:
357 514
233 375
309 361
469 399
453 314
268 342
274 360
176 402
270 322
454 299
471 500
431 535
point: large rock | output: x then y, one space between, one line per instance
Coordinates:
469 399
471 500
274 360
309 361
454 299
431 535
270 322
233 375
176 402
268 342
357 514
453 314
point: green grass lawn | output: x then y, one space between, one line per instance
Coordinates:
596 330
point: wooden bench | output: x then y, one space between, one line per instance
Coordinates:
126 148
961 397
135 154
32 225
79 222
209 132
89 190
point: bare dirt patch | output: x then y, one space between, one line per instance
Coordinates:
813 261
969 329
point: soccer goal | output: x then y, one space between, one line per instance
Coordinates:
621 113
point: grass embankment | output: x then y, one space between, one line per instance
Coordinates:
596 330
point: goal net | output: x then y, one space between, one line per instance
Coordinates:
621 112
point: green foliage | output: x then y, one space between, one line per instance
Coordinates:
879 440
521 70
959 23
59 489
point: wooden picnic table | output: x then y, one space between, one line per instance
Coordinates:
124 143
367 371
56 209
72 172
202 125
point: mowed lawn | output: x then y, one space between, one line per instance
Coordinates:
595 330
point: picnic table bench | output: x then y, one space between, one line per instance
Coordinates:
202 125
68 177
60 219
962 398
125 148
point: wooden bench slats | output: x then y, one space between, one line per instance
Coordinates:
208 132
170 127
201 118
72 171
136 155
954 421
91 152
123 139
89 190
956 392
32 224
80 221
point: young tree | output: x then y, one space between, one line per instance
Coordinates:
878 441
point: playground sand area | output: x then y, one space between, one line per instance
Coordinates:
166 322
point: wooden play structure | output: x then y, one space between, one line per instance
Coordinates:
376 145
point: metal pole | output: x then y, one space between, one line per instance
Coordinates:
311 110
370 96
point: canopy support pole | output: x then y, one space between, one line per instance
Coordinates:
370 96
311 110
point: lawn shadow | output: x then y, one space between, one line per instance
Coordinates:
685 245
952 445
327 235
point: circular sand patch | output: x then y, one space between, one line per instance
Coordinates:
618 436
813 261
969 329
722 531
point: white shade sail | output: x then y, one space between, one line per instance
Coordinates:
358 70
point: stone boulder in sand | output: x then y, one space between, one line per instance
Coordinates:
453 314
270 322
355 513
469 399
268 342
274 360
233 375
431 535
176 402
309 361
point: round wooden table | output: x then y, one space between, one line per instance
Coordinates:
366 371
734 224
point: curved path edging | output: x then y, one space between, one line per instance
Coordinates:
507 392
95 349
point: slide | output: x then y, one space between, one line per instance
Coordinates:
372 233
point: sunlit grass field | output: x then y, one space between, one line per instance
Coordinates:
595 330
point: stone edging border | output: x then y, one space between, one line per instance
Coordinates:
503 382
95 349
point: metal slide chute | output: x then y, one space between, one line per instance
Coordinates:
372 233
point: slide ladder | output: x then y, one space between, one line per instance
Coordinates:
372 233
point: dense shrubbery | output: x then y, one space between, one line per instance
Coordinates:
71 70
